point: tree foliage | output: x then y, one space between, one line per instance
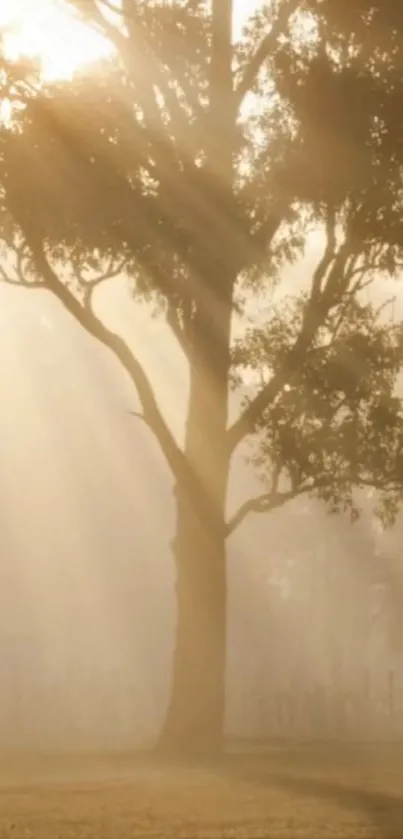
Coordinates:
337 424
124 169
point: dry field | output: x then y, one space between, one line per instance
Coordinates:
310 792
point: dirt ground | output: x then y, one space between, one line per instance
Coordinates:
309 792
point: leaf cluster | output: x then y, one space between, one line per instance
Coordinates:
338 421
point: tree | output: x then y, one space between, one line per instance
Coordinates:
199 166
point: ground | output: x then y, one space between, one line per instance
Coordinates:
306 792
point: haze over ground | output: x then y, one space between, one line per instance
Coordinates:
87 572
87 576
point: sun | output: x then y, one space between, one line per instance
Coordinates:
44 29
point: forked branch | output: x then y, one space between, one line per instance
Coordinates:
88 320
328 281
264 50
264 503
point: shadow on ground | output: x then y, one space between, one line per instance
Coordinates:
366 780
314 791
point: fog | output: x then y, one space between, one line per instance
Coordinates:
87 575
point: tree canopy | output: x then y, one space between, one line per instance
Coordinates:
112 172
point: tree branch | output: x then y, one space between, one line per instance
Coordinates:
88 287
178 329
265 503
273 500
263 51
17 277
328 256
141 62
86 318
181 468
316 311
260 241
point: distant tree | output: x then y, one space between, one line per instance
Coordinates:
199 167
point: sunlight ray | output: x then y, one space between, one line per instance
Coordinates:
68 604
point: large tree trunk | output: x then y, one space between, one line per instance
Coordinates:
195 718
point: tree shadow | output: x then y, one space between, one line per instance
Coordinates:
384 809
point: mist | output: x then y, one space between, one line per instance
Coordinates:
87 575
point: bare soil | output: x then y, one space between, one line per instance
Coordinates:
307 792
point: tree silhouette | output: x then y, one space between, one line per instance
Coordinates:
199 166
